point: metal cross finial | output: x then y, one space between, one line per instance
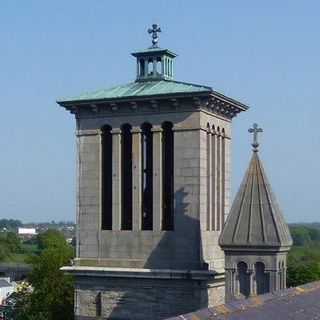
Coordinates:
255 130
155 29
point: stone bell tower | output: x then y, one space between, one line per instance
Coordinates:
153 192
255 238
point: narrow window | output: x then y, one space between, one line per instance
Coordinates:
147 179
244 279
218 200
98 304
167 178
262 278
126 177
142 68
106 185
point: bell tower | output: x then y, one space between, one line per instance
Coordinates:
153 176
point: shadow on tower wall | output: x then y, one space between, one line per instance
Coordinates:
154 298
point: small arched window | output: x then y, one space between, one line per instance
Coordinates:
106 170
262 278
244 279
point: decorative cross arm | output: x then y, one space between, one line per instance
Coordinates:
154 31
255 130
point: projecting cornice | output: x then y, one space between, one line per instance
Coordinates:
209 101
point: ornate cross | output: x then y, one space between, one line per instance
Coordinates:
155 29
255 130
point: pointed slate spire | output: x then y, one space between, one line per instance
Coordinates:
255 218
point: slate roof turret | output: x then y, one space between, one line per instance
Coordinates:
255 219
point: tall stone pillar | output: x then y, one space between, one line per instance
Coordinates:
214 181
219 182
116 179
209 180
227 175
136 178
157 177
284 277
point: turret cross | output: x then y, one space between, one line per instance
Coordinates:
255 130
155 29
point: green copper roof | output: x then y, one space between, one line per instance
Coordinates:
152 51
141 89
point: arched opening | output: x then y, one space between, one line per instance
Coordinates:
106 170
142 67
126 177
244 279
262 278
147 177
167 178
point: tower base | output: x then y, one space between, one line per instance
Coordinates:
136 294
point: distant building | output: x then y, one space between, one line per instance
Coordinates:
6 288
27 231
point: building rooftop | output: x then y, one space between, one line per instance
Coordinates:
300 303
141 89
4 283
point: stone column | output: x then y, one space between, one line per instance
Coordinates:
209 180
157 177
274 286
284 277
154 67
227 175
136 178
218 187
214 181
253 281
116 179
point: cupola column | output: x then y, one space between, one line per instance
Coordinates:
136 178
116 179
157 177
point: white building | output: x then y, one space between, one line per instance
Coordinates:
6 288
27 231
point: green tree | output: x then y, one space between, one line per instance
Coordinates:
13 242
51 239
303 266
52 296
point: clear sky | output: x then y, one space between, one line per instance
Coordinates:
264 53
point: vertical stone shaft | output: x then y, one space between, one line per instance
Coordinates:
209 180
227 175
136 178
116 179
223 176
157 177
214 181
218 201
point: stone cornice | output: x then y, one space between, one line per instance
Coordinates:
141 273
213 103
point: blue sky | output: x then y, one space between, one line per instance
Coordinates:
264 53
